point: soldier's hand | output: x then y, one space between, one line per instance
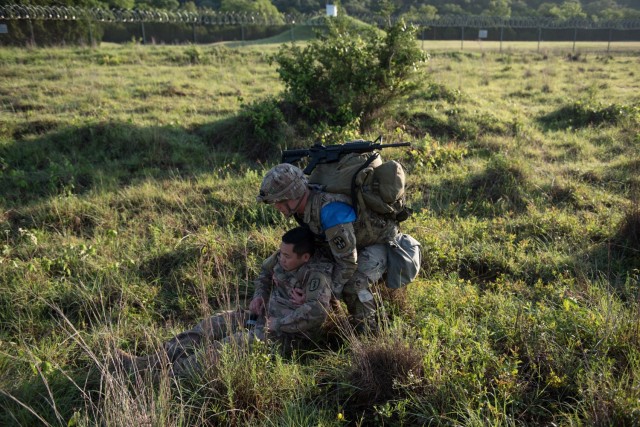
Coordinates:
270 321
297 296
256 306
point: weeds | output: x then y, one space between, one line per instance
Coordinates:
128 188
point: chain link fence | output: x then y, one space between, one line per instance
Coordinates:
49 25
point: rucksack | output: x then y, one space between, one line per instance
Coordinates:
371 183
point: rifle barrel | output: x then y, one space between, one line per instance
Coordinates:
396 144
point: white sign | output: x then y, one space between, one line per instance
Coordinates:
332 10
482 34
3 29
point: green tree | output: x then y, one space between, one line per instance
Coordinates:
500 8
569 9
346 77
120 4
422 12
522 8
158 4
385 9
189 6
252 6
605 9
452 9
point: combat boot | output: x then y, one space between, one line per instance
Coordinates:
367 326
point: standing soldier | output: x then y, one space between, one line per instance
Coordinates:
358 244
279 317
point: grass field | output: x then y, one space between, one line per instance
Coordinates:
126 216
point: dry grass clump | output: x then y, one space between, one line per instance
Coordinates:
383 368
502 182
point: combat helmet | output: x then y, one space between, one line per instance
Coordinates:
282 182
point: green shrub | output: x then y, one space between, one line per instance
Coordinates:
259 131
439 92
349 75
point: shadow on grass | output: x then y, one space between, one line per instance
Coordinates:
501 188
75 160
111 155
583 114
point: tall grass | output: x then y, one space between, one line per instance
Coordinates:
128 214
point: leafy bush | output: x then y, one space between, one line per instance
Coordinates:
259 131
349 75
437 91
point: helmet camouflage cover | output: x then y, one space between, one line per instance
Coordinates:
282 182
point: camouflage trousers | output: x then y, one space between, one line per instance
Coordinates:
372 264
187 351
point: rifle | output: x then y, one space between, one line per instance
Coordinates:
318 153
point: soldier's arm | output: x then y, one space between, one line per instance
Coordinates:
337 223
264 280
342 241
311 314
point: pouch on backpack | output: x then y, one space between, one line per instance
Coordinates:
403 260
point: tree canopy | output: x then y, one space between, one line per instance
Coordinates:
409 9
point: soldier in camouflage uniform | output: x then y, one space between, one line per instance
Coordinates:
356 243
280 319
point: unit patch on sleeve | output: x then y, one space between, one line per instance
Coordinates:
339 242
314 284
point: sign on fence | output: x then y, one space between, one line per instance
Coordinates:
3 29
482 34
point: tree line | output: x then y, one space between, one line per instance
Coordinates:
409 9
41 32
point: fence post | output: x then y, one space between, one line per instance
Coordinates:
144 36
539 37
90 33
462 38
575 36
609 42
193 25
501 35
33 37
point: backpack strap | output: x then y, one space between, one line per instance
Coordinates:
354 198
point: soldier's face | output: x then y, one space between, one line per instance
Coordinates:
286 207
290 260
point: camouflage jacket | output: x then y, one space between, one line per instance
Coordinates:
344 240
274 285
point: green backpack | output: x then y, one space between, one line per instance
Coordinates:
371 183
